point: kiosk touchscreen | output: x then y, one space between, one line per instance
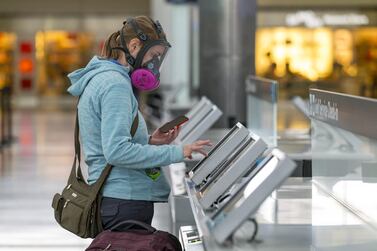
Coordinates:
219 154
201 117
261 182
240 163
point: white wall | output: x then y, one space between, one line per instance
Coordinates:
175 19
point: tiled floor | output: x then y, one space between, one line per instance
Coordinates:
31 171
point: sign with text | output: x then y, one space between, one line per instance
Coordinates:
352 113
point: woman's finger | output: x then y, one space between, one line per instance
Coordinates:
203 143
208 144
176 132
171 135
201 152
197 148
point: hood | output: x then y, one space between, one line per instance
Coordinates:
81 77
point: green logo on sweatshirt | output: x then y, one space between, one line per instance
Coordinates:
153 173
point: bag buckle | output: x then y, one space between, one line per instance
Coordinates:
66 203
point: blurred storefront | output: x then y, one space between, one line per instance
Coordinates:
7 41
37 53
7 69
57 54
334 50
41 42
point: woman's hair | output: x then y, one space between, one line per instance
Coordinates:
144 23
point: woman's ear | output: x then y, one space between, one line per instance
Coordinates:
134 46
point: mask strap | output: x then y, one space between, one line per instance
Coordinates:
130 59
159 30
157 27
140 34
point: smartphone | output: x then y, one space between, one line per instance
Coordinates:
171 124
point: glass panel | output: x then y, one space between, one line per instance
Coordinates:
293 121
262 108
345 165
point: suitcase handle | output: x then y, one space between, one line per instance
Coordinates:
131 223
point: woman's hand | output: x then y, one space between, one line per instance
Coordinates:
160 138
197 146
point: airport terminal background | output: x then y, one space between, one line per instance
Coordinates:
247 61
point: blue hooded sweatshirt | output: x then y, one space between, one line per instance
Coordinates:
107 108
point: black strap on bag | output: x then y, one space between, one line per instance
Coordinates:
128 224
77 208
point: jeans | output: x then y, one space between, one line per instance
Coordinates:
114 211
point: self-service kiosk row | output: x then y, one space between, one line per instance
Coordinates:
227 187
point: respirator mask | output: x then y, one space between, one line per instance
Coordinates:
145 72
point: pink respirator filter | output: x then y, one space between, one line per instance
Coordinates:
144 80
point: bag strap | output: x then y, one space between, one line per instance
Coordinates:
77 157
127 224
135 124
77 146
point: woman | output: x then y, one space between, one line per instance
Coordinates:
107 110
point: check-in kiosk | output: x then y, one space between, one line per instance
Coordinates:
261 182
220 153
230 169
217 227
239 149
201 117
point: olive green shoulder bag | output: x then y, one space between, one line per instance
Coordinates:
77 208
